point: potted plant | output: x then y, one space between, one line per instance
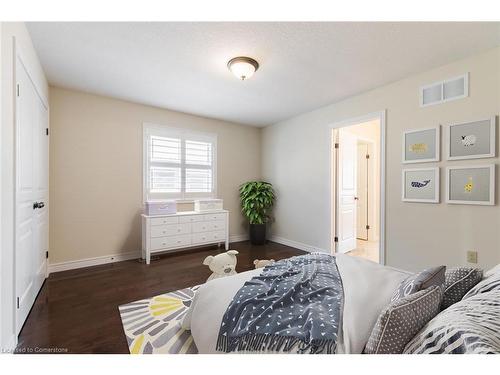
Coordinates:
257 199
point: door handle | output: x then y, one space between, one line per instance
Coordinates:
356 198
38 205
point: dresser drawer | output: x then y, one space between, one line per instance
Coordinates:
214 217
169 242
164 220
190 219
170 230
201 226
216 225
206 237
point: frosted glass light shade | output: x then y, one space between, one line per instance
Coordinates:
243 67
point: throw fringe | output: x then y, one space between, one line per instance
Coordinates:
267 342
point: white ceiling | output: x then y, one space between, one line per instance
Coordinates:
303 66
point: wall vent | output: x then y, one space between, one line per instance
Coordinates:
445 91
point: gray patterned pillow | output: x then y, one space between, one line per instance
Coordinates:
458 281
420 281
402 320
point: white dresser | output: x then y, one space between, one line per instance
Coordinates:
183 229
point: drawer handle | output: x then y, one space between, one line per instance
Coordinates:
178 241
164 231
163 243
178 230
202 238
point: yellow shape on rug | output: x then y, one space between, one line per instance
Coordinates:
137 345
163 305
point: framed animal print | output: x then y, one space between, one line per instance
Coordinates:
420 185
471 185
421 146
471 140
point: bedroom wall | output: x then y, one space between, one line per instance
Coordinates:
9 32
296 160
96 171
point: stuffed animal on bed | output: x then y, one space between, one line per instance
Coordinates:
221 265
262 263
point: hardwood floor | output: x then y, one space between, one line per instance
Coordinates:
77 311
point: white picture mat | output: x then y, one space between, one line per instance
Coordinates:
410 136
491 185
484 144
426 194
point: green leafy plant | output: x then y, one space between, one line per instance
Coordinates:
257 199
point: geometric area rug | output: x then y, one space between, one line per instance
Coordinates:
153 325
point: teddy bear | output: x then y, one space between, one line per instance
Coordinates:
221 265
262 263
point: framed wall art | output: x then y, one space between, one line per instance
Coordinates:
421 146
471 185
471 140
420 185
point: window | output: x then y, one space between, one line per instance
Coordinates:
178 164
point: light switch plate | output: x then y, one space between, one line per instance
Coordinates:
472 256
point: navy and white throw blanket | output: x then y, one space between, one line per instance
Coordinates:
293 303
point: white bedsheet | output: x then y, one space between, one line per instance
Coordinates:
368 287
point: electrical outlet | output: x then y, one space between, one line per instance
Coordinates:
472 256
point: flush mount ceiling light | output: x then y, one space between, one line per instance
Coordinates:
243 67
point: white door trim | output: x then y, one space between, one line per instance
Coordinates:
381 116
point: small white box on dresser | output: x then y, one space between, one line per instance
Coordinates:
165 233
204 205
152 208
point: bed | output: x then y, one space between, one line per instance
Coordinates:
381 310
368 288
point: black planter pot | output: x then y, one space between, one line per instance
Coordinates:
258 234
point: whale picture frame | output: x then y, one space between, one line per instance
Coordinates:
420 185
471 140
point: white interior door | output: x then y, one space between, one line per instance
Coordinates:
346 192
362 192
31 193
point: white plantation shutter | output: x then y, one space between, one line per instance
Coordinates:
178 164
165 149
198 167
165 179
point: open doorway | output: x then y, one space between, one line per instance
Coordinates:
357 187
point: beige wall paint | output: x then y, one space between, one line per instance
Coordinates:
11 31
296 160
96 171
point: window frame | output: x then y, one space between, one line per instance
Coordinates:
150 129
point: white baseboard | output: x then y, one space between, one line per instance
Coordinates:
238 238
298 245
89 262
